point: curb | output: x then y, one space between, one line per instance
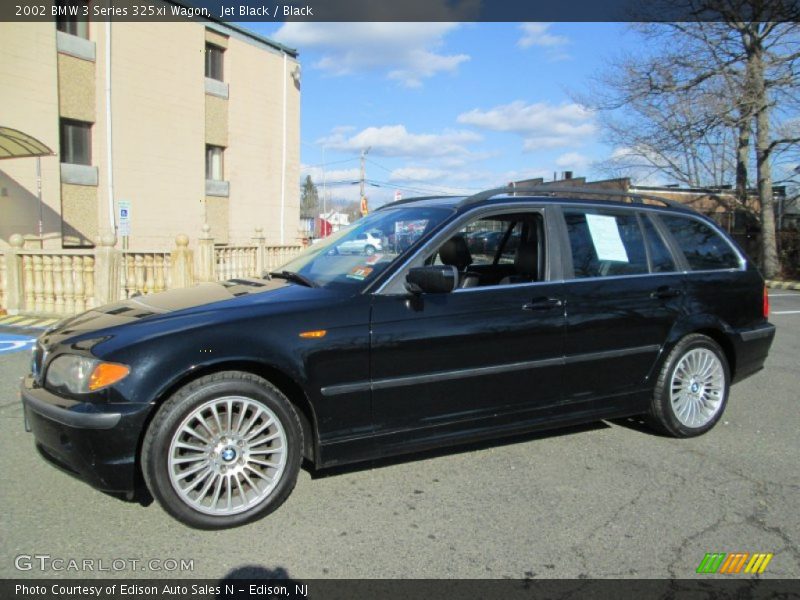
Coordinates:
782 285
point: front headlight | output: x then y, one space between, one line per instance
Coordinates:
81 375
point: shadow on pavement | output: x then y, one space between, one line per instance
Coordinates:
450 450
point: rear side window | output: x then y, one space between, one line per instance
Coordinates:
703 247
605 245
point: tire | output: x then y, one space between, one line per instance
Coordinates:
210 472
692 388
369 250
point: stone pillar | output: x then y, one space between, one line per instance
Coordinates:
14 297
182 263
107 261
206 260
260 243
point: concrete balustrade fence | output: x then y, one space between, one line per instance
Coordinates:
67 282
235 262
145 273
60 284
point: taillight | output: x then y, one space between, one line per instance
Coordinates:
766 303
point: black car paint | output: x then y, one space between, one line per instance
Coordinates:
393 375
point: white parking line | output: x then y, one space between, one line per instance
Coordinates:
784 295
786 312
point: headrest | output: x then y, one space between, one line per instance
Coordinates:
526 260
455 252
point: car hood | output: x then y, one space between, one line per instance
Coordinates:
200 297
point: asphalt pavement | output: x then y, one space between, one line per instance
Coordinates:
610 499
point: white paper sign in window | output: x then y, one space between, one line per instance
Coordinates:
606 239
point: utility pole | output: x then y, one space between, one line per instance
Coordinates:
364 206
324 182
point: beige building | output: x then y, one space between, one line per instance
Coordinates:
183 122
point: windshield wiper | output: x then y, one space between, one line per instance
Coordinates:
293 277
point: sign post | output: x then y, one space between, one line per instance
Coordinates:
124 221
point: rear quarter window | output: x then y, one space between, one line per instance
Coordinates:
704 248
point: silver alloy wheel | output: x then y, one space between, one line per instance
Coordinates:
227 456
697 387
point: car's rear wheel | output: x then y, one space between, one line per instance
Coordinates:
223 451
369 250
692 389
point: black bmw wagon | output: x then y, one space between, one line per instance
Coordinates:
478 317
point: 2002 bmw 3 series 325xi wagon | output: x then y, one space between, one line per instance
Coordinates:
568 310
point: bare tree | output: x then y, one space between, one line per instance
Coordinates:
690 105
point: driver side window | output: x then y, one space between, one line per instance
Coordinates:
502 249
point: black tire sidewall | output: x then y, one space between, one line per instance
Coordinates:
664 410
159 437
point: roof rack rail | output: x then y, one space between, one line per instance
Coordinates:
579 190
414 199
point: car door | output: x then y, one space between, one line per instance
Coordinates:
450 364
622 299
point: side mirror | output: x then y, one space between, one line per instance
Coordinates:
434 279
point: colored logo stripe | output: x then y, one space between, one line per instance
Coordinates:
720 562
734 562
758 563
711 562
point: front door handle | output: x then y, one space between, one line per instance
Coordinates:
542 304
665 292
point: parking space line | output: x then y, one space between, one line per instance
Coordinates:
25 322
784 295
786 312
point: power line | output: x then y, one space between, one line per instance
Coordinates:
418 188
470 190
335 162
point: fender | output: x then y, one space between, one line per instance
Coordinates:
691 324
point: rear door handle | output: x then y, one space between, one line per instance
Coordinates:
665 292
542 304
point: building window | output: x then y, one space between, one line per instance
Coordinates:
76 142
214 171
73 18
214 62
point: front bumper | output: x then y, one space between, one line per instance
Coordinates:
95 442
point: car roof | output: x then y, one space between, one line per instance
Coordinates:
552 195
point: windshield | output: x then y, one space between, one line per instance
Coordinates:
360 252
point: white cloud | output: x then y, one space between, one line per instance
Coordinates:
538 35
417 174
318 174
541 125
408 52
573 161
395 140
636 163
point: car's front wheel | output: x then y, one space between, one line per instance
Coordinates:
369 250
223 451
692 389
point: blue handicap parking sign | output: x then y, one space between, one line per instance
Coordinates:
15 343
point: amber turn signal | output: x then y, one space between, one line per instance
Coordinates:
318 333
105 374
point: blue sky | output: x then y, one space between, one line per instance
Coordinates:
447 107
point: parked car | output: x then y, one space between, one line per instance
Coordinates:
215 394
367 242
487 242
